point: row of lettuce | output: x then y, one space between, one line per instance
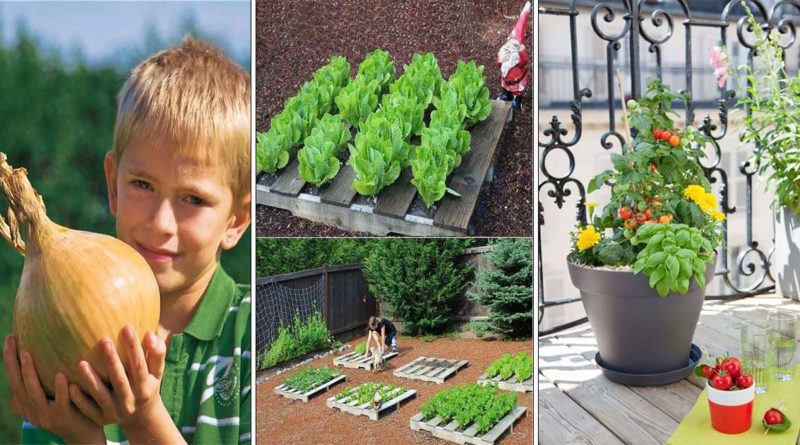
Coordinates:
385 112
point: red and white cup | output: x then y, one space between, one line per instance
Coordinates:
731 411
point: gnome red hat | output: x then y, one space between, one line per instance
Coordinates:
513 58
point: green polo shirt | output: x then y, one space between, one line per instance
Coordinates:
206 383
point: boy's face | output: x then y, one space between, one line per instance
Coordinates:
176 211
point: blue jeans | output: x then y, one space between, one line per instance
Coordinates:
391 339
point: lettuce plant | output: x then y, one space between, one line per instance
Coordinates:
336 72
421 79
318 162
449 112
429 169
272 151
406 110
468 81
377 66
358 100
379 153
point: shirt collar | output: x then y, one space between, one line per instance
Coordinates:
210 317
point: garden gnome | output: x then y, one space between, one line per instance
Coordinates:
514 61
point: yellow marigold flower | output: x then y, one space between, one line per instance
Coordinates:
716 214
695 193
587 237
706 201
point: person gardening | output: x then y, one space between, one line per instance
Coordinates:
178 178
383 332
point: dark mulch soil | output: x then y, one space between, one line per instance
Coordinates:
282 421
294 38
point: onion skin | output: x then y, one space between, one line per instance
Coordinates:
76 288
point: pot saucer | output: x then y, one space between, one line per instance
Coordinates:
663 378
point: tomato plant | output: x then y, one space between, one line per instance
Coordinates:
662 219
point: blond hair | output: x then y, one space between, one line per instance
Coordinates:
195 98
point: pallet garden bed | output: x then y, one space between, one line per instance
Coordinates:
308 382
357 360
397 208
469 414
350 401
429 369
469 435
510 373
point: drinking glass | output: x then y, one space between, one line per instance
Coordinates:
757 353
783 327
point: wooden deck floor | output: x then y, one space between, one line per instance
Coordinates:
578 405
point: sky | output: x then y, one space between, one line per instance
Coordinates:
102 29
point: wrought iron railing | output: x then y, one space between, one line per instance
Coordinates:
753 261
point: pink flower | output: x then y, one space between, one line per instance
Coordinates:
719 60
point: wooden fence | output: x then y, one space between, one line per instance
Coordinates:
339 293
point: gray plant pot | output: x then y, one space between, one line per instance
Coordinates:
639 332
786 260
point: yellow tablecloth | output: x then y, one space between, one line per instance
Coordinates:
696 426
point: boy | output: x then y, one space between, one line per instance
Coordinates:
179 186
387 337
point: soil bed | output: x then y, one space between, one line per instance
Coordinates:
294 38
282 421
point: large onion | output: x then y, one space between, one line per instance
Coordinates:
76 287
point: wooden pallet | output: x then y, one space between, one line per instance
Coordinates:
358 361
304 396
448 432
509 385
335 205
429 369
366 409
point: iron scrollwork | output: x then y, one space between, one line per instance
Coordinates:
657 27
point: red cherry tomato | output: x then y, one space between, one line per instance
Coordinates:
640 217
665 135
708 371
722 381
732 366
744 381
773 417
657 134
624 213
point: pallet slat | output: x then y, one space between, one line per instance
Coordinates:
467 179
340 191
509 385
396 199
449 431
289 182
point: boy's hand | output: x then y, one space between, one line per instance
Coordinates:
134 400
58 416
